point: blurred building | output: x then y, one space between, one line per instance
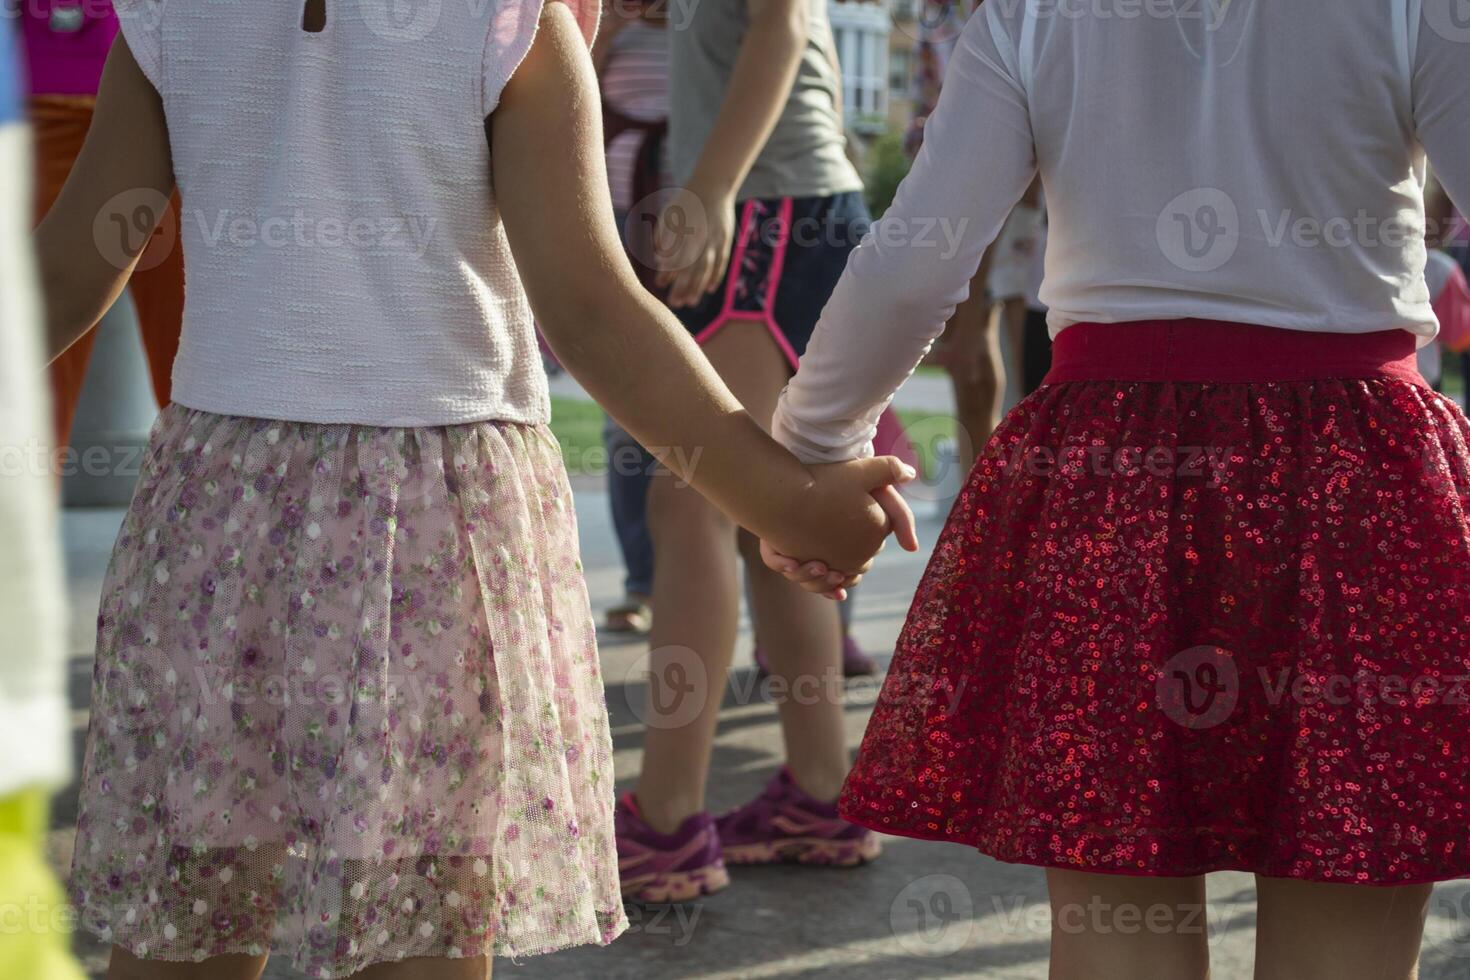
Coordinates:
875 40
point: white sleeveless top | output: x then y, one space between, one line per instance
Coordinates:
345 259
1258 162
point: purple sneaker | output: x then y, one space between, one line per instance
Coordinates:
677 867
855 663
785 824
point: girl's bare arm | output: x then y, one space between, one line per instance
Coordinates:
760 84
623 345
117 191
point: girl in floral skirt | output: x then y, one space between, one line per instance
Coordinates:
347 699
1204 603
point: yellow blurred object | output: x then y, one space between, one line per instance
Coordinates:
36 923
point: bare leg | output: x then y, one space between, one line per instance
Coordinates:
476 968
800 633
1116 927
975 370
696 602
126 966
1312 931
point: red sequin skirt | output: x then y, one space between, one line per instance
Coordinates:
1204 604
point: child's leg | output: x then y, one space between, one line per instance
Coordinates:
477 968
1312 931
126 966
976 372
799 632
696 602
1117 927
801 635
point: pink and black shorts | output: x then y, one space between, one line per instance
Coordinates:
789 253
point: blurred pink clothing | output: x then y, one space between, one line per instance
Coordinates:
66 44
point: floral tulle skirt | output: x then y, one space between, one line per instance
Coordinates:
1177 625
347 702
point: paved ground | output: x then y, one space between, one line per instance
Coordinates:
923 910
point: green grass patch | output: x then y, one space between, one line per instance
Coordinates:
577 425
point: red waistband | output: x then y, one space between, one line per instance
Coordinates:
1200 351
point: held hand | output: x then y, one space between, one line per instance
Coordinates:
814 576
841 523
695 233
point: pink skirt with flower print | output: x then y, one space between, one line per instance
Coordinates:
347 701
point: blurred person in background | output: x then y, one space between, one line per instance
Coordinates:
750 246
631 56
33 709
988 329
66 45
1449 231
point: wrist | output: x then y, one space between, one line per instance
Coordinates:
714 191
785 496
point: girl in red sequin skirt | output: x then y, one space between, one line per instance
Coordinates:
1204 603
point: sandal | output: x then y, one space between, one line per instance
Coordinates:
632 615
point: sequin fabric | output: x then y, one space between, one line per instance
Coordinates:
1175 628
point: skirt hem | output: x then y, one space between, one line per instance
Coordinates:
1031 858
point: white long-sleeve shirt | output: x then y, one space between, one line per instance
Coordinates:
1249 161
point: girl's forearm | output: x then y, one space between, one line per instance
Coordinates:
643 367
620 342
760 85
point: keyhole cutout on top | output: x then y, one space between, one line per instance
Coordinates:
314 16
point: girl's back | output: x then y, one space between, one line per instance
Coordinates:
1248 160
338 210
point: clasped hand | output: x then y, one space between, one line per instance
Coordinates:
845 516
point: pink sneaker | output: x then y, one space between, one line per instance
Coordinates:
677 867
785 824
